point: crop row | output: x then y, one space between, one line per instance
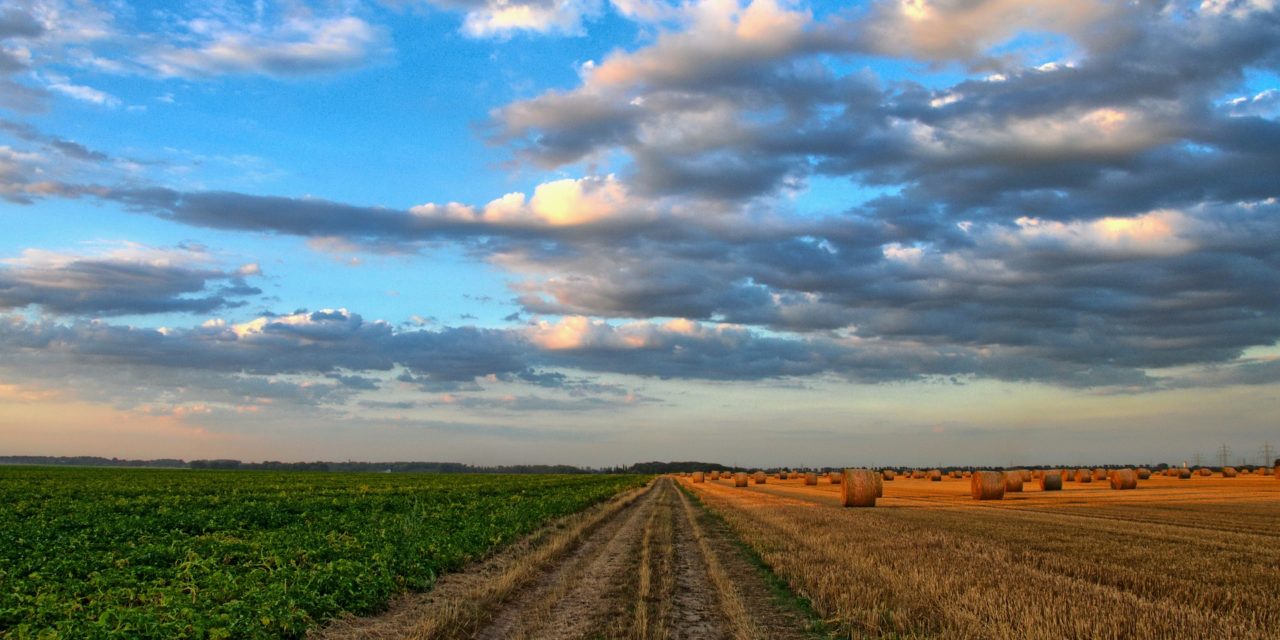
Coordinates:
90 553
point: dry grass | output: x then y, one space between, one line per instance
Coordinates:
1170 559
860 488
987 485
1124 479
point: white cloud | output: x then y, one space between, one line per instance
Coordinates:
82 93
503 17
299 45
559 203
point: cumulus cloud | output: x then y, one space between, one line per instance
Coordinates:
1084 221
946 30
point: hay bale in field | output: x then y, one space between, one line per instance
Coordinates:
1084 475
935 475
917 474
1184 474
1228 472
1026 475
879 484
1100 474
1206 471
1013 481
782 475
887 475
858 488
698 476
1265 471
1051 481
1124 479
810 478
987 485
955 475
1144 473
834 476
760 477
1037 474
739 479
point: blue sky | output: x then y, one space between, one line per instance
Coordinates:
595 232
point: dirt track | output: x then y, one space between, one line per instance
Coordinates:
652 564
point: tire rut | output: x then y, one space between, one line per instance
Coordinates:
655 566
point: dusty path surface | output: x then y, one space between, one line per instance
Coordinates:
650 564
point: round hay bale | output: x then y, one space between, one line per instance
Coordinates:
1026 475
1184 474
1144 473
1084 475
760 477
935 475
1051 481
1124 479
810 478
835 477
1267 471
879 484
1206 471
698 476
1037 474
1013 481
987 485
888 475
858 488
1228 472
740 479
1100 474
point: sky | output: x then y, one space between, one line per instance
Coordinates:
595 232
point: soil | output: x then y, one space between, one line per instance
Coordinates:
653 564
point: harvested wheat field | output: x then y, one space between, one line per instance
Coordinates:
1173 558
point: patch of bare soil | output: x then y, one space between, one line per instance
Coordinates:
652 564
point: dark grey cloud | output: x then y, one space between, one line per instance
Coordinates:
1080 222
15 22
109 286
68 148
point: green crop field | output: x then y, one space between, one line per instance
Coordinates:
91 553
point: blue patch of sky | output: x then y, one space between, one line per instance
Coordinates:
1035 48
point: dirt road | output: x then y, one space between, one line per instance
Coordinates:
652 564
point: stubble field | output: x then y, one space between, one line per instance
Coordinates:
1174 558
